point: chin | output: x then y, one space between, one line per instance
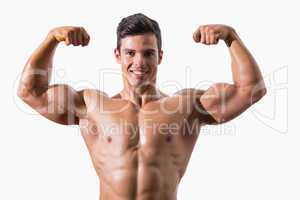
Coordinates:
137 83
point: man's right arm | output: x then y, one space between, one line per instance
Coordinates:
59 103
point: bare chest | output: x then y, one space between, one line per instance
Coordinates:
156 126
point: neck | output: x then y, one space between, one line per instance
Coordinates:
140 95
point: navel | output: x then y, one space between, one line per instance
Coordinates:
169 138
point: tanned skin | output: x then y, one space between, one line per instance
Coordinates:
140 140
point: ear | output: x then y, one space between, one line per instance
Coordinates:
160 56
117 55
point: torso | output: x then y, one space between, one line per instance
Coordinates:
140 153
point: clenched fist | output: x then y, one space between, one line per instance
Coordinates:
70 35
212 33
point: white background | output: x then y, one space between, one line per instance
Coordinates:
255 156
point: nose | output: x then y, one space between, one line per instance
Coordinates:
139 62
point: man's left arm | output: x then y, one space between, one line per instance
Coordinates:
224 101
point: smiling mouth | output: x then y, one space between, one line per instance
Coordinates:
137 72
139 75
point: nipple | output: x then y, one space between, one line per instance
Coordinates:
109 139
94 130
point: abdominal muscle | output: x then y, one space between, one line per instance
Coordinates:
135 175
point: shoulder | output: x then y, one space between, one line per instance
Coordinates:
92 96
92 92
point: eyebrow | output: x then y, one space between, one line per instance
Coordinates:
146 50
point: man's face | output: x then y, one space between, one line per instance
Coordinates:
139 57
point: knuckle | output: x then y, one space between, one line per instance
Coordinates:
82 29
72 29
68 34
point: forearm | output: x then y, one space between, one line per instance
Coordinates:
245 71
37 71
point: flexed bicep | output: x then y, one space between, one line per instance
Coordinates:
60 103
225 101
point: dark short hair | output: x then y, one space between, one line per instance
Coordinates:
138 24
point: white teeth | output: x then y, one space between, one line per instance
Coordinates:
138 72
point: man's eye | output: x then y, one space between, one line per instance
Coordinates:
147 54
130 53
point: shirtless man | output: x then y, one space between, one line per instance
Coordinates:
141 139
